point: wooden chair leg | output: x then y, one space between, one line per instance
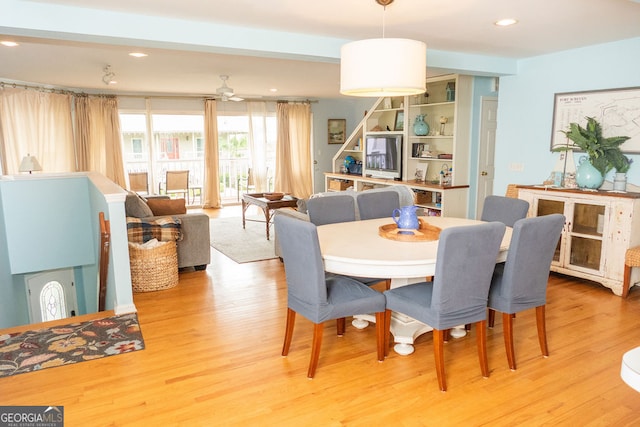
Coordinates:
318 329
341 326
481 339
288 331
626 282
446 335
542 329
507 329
381 329
387 331
491 317
438 352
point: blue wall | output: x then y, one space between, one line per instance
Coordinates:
45 226
351 109
47 222
9 312
525 109
53 223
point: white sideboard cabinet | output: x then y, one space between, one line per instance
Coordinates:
600 226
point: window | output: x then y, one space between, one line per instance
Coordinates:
200 147
52 302
136 148
176 142
134 136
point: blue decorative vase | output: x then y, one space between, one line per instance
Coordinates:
588 176
420 127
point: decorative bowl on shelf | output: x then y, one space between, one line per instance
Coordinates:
273 196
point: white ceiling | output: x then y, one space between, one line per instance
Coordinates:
291 45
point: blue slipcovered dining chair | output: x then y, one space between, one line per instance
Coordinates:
320 298
521 282
331 209
338 208
377 204
504 209
465 261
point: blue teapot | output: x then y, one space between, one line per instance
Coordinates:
406 217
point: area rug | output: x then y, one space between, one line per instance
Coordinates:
66 344
242 245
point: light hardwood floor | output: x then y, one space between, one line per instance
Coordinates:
212 357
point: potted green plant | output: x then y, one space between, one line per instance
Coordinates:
603 153
621 164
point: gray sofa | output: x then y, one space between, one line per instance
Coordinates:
407 198
194 249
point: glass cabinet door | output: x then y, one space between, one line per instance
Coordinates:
548 207
580 245
588 221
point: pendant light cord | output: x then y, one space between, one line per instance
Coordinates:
384 14
384 4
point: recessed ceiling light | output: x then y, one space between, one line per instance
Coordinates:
138 54
506 22
273 89
8 43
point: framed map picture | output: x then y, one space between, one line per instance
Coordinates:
337 131
617 110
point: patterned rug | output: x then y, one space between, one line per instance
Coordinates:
66 344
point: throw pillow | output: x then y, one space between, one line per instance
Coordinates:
302 205
165 229
161 207
136 207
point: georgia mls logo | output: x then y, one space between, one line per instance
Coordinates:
31 416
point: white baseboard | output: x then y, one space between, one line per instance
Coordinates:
124 309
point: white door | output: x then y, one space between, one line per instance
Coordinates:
486 150
51 295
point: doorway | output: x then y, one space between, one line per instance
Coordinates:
51 295
486 150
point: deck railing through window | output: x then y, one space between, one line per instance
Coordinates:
229 170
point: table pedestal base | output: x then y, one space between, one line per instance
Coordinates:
404 329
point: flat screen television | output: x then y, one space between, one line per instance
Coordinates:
384 156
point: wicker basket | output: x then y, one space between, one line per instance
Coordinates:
153 269
338 185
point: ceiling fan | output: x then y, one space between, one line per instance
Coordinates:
225 93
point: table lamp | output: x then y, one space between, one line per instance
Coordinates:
29 164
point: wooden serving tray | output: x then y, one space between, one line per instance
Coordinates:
425 233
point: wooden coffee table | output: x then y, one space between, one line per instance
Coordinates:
266 205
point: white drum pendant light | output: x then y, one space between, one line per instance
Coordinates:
383 67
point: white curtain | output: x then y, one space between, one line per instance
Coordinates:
37 123
258 143
98 136
293 150
211 190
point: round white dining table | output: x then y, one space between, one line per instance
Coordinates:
356 249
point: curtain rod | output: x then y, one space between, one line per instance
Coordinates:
65 91
27 86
